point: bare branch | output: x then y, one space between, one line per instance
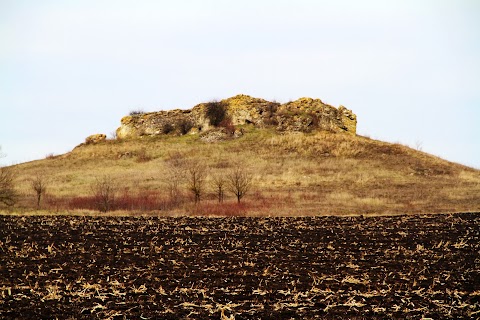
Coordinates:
39 186
196 179
175 176
219 182
8 196
104 190
239 181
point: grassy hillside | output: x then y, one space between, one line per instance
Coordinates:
293 174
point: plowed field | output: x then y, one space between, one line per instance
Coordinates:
402 267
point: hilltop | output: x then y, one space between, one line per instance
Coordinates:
302 115
304 158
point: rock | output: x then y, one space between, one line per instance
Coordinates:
215 135
302 115
238 133
95 138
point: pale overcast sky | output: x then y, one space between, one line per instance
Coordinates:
409 69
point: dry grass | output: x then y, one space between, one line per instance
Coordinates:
294 174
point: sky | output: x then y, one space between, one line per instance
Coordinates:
409 69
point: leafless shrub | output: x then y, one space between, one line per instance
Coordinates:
113 135
196 179
167 128
239 182
50 156
143 156
419 145
219 183
226 209
174 176
103 191
215 112
184 126
137 112
228 125
39 186
175 158
8 196
271 121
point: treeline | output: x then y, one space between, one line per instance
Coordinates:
185 181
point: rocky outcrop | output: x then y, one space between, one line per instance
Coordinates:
95 138
304 115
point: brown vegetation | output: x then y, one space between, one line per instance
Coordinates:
39 186
218 185
215 112
197 173
292 174
103 191
239 182
8 196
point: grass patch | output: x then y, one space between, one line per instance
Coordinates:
293 174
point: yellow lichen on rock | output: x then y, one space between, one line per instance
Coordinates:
349 119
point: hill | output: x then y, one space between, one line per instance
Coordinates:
290 172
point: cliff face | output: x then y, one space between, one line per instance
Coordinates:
304 115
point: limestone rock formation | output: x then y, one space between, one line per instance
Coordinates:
304 115
95 138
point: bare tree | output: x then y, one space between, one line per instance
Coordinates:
8 196
104 190
197 173
175 176
239 182
218 183
419 145
174 179
39 186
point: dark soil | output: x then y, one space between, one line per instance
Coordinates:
403 267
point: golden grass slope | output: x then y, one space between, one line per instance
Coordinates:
294 174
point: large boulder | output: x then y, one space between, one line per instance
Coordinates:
96 138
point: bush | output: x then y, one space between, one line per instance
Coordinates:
219 209
80 202
228 125
184 126
103 191
272 121
143 156
174 176
8 196
216 112
136 112
144 200
167 128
